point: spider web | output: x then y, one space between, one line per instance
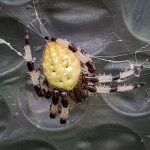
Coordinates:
37 24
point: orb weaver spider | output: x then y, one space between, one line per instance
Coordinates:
69 72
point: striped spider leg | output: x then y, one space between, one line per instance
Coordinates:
123 75
58 94
40 87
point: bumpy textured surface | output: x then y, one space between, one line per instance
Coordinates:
60 66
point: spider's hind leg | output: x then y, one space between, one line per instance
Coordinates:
64 110
54 108
54 104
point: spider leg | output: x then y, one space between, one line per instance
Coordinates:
53 105
46 89
126 74
64 110
110 89
88 83
89 87
88 78
34 73
78 95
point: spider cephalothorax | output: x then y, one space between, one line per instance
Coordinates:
69 72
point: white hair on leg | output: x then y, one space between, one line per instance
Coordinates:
35 77
64 113
63 42
53 109
28 55
105 78
103 89
126 74
109 89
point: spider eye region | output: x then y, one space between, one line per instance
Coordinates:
60 66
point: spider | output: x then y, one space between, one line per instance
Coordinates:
69 73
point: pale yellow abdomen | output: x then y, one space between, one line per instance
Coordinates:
60 66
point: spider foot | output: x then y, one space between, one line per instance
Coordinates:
62 121
48 95
52 116
63 115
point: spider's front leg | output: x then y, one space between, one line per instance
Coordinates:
110 89
40 88
123 75
89 83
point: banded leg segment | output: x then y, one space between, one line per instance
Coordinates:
46 89
88 83
121 76
110 89
53 105
89 87
64 110
54 110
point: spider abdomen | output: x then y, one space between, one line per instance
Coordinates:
60 66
